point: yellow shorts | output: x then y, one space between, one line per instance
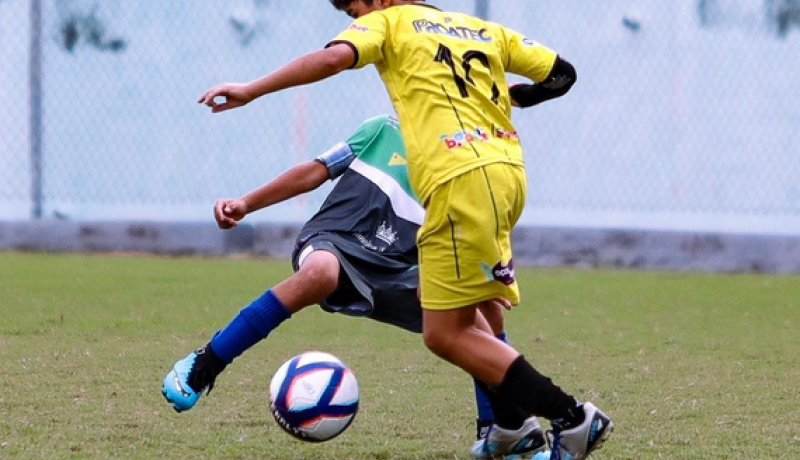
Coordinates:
465 241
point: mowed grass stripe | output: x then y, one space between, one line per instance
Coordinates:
690 365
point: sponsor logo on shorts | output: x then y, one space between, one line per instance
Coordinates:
366 243
504 273
463 137
499 272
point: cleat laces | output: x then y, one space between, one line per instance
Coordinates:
556 448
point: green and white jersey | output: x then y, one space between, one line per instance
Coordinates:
371 211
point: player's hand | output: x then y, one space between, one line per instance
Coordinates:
229 212
503 302
234 93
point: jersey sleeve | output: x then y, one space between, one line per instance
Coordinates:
524 56
366 134
367 36
338 158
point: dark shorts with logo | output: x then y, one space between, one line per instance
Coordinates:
368 288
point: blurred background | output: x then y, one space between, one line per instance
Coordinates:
684 120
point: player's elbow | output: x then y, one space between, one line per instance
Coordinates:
561 79
568 75
337 58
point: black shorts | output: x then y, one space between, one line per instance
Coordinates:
368 289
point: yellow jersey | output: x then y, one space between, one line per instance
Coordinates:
445 74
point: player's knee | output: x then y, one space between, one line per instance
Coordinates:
438 343
321 273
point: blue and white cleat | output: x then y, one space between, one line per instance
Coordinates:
500 443
543 455
576 443
191 377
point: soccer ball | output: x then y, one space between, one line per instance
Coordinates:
314 396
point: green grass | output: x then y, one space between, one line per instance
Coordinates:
689 365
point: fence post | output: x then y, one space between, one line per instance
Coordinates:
482 9
35 88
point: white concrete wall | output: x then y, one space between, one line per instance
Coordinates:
674 126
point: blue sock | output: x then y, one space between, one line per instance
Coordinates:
502 336
253 323
482 401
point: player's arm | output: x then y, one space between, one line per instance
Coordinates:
356 47
298 180
552 75
558 83
309 68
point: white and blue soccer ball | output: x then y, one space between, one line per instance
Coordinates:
314 396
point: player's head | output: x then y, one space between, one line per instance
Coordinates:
357 8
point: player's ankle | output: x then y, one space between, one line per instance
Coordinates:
482 428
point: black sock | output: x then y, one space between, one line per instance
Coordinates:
482 428
508 416
526 390
207 366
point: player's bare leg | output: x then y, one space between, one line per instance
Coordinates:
463 337
195 374
455 336
316 279
518 392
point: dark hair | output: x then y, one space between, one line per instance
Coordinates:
343 4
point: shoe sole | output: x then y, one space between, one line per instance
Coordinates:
164 393
603 438
525 456
519 456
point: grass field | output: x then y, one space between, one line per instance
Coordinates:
689 366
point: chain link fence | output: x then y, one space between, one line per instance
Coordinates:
685 115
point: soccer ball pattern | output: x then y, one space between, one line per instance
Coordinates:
314 396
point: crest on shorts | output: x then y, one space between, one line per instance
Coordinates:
386 234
